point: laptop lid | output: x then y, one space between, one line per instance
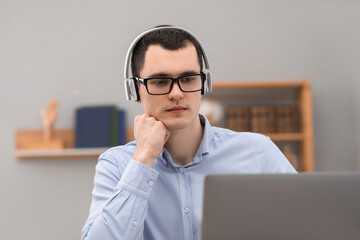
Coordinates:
282 206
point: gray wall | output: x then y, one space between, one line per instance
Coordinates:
74 51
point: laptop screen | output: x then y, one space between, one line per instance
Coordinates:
282 206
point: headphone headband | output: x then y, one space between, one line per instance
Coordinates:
131 92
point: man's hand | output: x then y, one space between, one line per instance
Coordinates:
151 136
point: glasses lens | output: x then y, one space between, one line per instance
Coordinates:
159 85
190 83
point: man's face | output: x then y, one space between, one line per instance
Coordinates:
177 110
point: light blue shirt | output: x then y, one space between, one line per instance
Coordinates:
133 201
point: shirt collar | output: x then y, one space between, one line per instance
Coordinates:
204 147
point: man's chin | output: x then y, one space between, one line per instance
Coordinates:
172 126
177 122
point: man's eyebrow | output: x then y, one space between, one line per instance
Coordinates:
158 75
189 73
168 75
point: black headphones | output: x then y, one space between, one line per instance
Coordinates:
130 85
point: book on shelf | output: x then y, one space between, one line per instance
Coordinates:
121 127
99 126
263 119
238 119
287 119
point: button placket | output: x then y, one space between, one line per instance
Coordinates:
185 188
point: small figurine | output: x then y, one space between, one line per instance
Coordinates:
48 119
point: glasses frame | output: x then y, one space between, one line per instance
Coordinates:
144 81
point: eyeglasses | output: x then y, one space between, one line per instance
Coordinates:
164 85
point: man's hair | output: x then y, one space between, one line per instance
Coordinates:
168 38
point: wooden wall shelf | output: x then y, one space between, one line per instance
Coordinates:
66 153
28 147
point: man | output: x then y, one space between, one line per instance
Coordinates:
152 188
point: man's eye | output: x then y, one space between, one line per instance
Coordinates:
159 82
189 79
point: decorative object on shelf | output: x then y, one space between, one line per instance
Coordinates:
47 138
48 117
213 110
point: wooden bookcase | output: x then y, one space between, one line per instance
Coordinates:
297 93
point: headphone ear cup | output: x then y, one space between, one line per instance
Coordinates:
208 85
131 90
136 85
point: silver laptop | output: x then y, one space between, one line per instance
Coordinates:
321 206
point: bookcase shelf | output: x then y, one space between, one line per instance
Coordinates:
299 91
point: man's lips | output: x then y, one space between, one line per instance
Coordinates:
177 109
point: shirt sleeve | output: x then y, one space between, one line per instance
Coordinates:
119 201
274 160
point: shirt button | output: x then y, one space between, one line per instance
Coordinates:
181 170
151 183
186 210
134 223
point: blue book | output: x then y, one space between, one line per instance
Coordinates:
95 127
121 127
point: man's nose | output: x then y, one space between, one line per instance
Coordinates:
176 92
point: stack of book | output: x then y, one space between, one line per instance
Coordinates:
100 126
287 119
238 119
263 119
